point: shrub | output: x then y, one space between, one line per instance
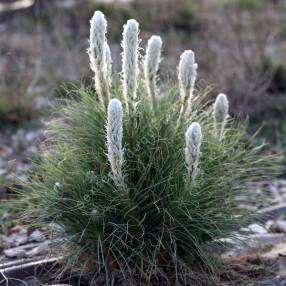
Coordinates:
143 183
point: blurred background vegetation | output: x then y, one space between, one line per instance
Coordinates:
240 47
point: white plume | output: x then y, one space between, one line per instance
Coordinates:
192 150
98 27
130 70
151 64
114 140
99 60
187 77
221 109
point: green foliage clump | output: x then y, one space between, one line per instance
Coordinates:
156 218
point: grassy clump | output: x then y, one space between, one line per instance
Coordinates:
176 194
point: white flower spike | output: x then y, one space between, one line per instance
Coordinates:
98 54
151 65
192 150
114 132
221 109
130 69
187 77
98 28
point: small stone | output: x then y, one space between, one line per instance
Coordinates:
39 250
37 236
15 252
257 229
278 250
17 235
245 230
55 228
278 226
268 225
246 244
269 238
280 281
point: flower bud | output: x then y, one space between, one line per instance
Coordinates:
192 150
130 70
187 77
97 37
221 108
98 56
114 140
151 64
187 73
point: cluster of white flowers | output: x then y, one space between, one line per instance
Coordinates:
101 64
